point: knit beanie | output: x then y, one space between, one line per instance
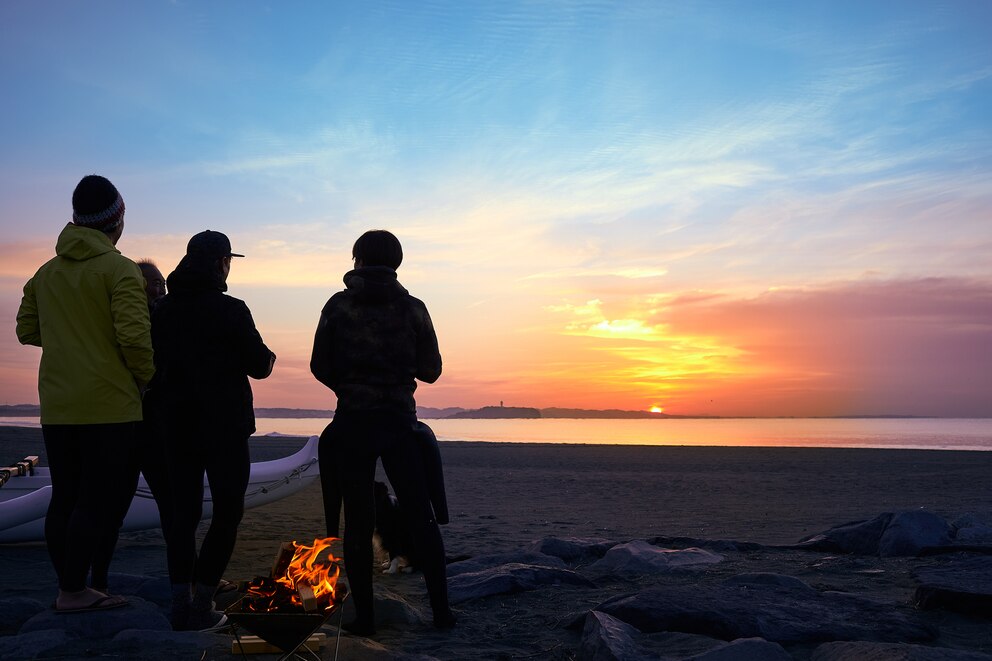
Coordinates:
97 204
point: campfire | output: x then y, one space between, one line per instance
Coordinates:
304 579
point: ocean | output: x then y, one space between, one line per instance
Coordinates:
907 433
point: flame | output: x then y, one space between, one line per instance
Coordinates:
304 569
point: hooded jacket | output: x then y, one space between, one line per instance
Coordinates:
86 308
372 341
206 347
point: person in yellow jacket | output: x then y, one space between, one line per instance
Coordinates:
87 310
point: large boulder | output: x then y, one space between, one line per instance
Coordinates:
908 533
480 562
507 579
863 651
887 535
138 614
971 529
573 549
859 537
605 638
959 583
640 557
15 611
745 649
778 609
31 645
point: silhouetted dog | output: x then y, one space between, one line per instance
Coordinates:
391 532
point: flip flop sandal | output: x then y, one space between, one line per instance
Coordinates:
102 604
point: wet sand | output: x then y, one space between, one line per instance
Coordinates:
502 497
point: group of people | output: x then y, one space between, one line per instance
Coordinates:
145 374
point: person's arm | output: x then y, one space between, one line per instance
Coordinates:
132 327
256 358
428 354
28 326
321 359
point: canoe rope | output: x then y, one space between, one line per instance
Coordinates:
297 473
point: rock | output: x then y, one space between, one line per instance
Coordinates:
31 645
745 649
605 638
716 545
392 609
888 535
134 643
138 614
778 610
15 611
854 537
908 533
962 584
863 651
573 549
355 648
481 562
769 579
158 590
507 579
971 529
639 557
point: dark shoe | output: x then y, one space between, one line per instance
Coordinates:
205 620
445 620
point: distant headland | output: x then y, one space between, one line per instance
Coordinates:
485 413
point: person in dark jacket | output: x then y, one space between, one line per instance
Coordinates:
206 347
148 457
373 341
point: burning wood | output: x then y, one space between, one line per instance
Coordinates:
301 580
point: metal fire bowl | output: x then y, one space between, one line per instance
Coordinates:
287 631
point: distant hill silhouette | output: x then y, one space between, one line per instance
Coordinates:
457 412
600 413
498 412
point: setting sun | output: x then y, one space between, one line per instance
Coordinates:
657 409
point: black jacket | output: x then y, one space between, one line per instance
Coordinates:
372 341
206 347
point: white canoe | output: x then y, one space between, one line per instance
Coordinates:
24 500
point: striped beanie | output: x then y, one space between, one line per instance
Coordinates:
97 204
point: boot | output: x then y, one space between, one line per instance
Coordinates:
181 602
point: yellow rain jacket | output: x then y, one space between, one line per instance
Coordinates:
87 310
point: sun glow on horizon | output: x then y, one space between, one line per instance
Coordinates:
657 409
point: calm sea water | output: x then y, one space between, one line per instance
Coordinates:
917 433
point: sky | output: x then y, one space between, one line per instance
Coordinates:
711 208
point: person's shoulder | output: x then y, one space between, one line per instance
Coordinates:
415 302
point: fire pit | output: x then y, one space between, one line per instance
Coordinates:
298 597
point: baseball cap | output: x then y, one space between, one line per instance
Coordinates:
210 244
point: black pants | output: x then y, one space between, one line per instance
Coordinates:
347 453
227 465
149 458
93 477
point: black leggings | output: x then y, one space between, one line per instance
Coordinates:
227 465
93 477
348 452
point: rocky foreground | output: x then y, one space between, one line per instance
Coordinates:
906 585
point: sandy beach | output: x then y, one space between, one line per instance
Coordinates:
505 497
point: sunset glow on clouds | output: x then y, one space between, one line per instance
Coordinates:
709 208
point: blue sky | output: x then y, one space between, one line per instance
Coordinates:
559 174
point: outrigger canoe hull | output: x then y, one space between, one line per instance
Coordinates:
25 499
